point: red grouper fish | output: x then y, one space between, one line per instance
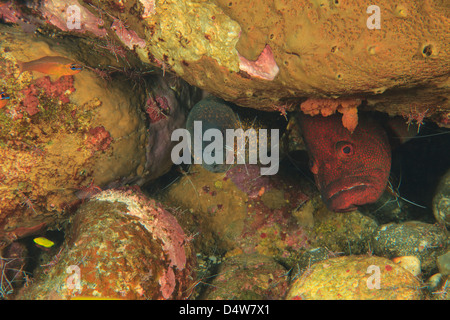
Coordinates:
349 169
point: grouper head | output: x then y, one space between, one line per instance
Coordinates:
350 169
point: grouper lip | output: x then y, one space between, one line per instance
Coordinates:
350 186
361 186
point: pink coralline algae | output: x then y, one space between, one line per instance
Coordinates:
11 13
8 13
128 37
99 139
149 8
264 67
157 108
59 89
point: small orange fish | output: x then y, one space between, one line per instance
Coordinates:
3 99
52 65
261 191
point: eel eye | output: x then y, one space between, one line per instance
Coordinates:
3 96
345 149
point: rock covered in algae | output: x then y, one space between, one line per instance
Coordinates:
248 277
438 286
441 201
59 136
443 263
265 55
349 233
64 138
165 107
210 113
261 54
355 277
120 245
422 240
242 210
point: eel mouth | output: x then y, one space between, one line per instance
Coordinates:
345 194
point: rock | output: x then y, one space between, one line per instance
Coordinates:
280 54
434 281
410 263
443 263
441 201
260 60
422 240
97 118
166 108
248 277
242 209
343 233
355 278
48 118
119 245
439 287
310 257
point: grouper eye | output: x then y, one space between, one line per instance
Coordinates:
344 149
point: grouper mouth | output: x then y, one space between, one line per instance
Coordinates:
345 194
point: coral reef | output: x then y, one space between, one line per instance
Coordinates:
91 92
286 53
59 90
